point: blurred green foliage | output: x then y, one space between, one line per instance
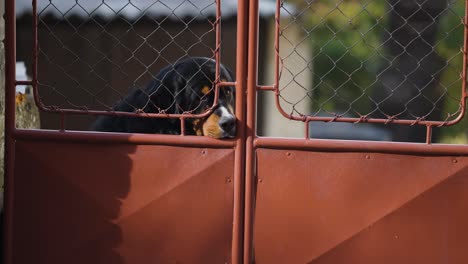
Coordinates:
346 41
348 52
449 46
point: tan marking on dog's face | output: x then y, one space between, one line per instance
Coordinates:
206 89
211 127
198 127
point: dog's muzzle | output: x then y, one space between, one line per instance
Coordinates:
227 122
220 124
228 126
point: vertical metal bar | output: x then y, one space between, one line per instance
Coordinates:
464 72
182 126
465 61
277 53
279 61
307 129
62 122
35 59
218 37
217 27
428 134
239 168
251 129
10 76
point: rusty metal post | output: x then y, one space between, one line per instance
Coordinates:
251 130
10 78
464 67
239 161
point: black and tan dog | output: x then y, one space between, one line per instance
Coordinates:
187 86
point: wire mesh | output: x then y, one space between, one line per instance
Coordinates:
90 54
371 60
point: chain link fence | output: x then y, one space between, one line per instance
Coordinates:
378 61
90 54
383 61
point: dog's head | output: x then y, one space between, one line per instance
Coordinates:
190 87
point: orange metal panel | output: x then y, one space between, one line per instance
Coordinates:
121 203
331 207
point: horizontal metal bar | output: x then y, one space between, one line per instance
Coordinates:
367 120
227 84
143 139
119 113
55 110
23 82
362 146
265 88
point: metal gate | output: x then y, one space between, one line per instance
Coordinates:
84 197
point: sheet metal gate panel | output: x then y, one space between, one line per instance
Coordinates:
358 207
80 197
77 197
315 201
121 203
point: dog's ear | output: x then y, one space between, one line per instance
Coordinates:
167 92
227 74
179 85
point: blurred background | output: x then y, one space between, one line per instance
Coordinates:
384 59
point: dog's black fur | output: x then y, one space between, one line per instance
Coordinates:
186 86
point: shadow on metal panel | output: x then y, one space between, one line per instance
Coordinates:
121 203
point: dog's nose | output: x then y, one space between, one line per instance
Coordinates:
227 123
